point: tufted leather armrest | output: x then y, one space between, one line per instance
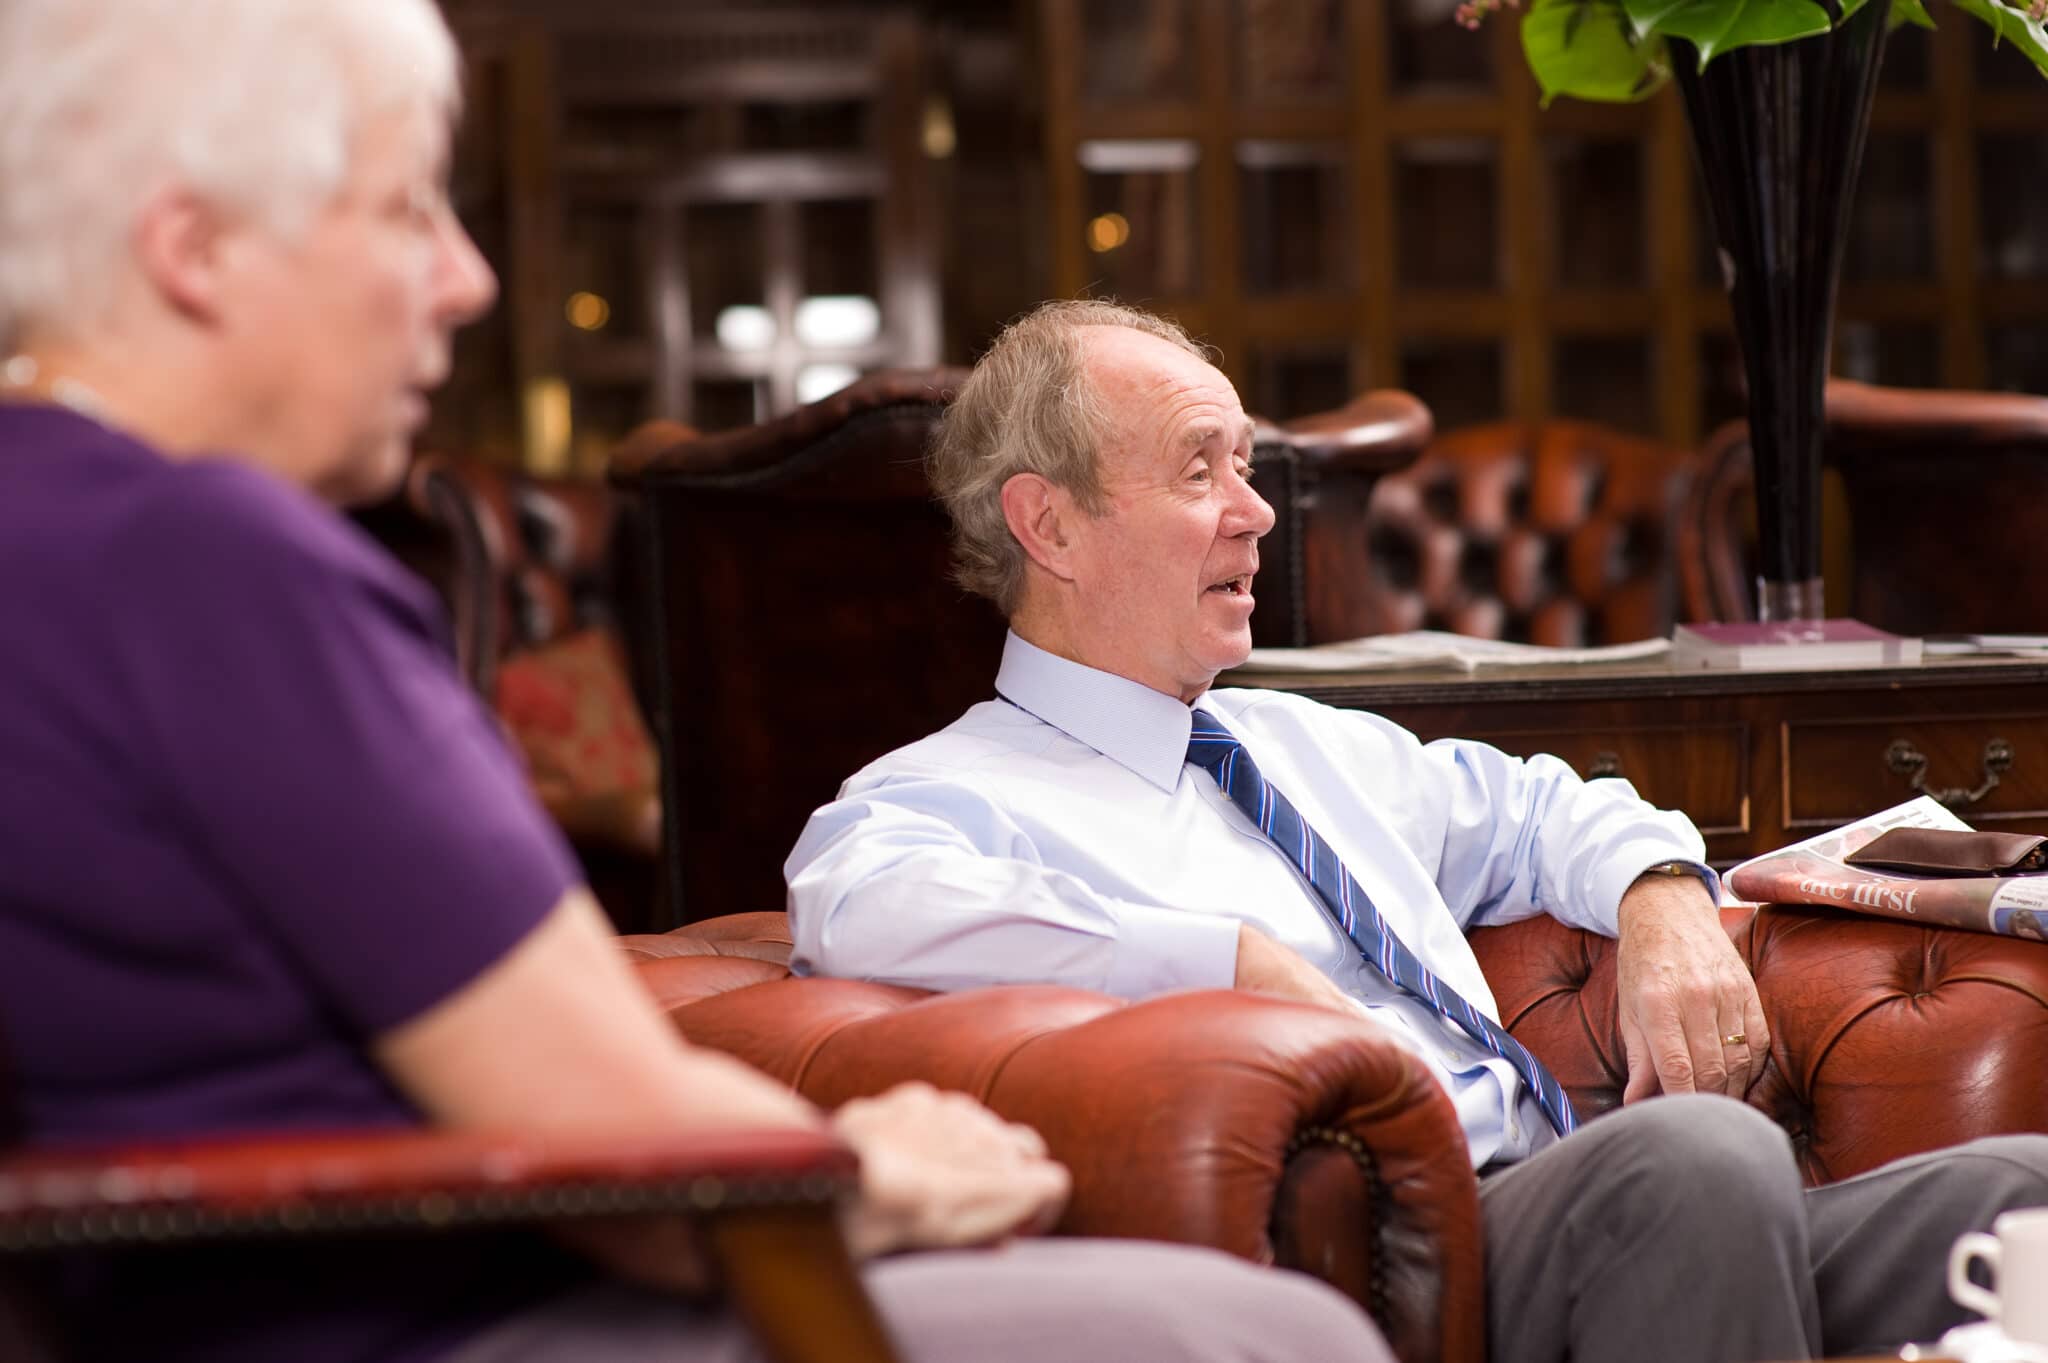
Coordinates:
1280 1132
1897 1038
1887 1038
1560 533
1374 433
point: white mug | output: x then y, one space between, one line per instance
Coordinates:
2016 1252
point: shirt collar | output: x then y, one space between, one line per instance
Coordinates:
1127 722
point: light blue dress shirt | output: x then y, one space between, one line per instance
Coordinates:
1059 835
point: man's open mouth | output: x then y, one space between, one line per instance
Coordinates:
1233 586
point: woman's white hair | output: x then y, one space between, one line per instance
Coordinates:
253 104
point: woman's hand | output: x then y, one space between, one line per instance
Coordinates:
940 1170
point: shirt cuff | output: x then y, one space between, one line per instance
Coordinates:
1622 868
1160 949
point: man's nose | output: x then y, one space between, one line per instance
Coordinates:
1249 513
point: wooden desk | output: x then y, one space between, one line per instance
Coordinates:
1757 759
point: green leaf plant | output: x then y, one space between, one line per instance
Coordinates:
1617 51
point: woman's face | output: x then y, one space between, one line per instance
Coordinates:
342 331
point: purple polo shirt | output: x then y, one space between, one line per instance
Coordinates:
250 819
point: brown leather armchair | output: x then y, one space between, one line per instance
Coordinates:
802 620
1560 533
1943 495
1294 1135
1280 1132
766 1202
537 556
531 571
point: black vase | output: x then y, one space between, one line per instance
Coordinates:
1779 134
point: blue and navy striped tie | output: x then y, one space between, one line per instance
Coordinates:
1216 750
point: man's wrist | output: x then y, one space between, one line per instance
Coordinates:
1678 869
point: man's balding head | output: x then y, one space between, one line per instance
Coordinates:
1030 406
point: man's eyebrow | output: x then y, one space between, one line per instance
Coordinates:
1202 432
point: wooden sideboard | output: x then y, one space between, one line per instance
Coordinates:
1757 759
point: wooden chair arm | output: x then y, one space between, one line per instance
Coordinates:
768 1199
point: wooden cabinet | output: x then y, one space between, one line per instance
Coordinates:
1757 759
1701 770
1974 757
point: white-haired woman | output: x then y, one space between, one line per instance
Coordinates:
264 863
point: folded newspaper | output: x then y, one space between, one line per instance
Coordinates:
1813 872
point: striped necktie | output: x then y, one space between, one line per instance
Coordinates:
1216 750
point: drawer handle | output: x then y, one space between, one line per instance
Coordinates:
1603 764
1903 759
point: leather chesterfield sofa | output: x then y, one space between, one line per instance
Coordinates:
1940 500
1560 533
1293 1135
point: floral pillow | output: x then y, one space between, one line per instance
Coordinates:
569 707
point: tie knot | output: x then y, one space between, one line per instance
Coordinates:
1209 742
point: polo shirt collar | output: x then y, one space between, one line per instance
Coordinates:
1129 723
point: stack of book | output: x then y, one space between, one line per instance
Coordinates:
1790 645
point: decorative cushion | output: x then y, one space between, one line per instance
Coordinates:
569 708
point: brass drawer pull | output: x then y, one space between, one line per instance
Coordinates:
1603 764
1903 759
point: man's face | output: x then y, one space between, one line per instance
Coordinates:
344 330
1162 579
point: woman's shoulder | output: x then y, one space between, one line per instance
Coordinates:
220 509
217 523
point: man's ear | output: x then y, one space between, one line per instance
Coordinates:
180 245
1040 516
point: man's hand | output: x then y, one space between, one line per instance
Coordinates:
939 1170
1270 968
1684 993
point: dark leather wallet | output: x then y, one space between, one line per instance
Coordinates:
1952 852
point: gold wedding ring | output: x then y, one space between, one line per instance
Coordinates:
1734 1038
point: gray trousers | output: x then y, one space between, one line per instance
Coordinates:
1677 1230
1035 1301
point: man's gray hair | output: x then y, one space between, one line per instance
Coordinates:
252 104
1028 407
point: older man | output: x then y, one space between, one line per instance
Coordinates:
265 864
1107 820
